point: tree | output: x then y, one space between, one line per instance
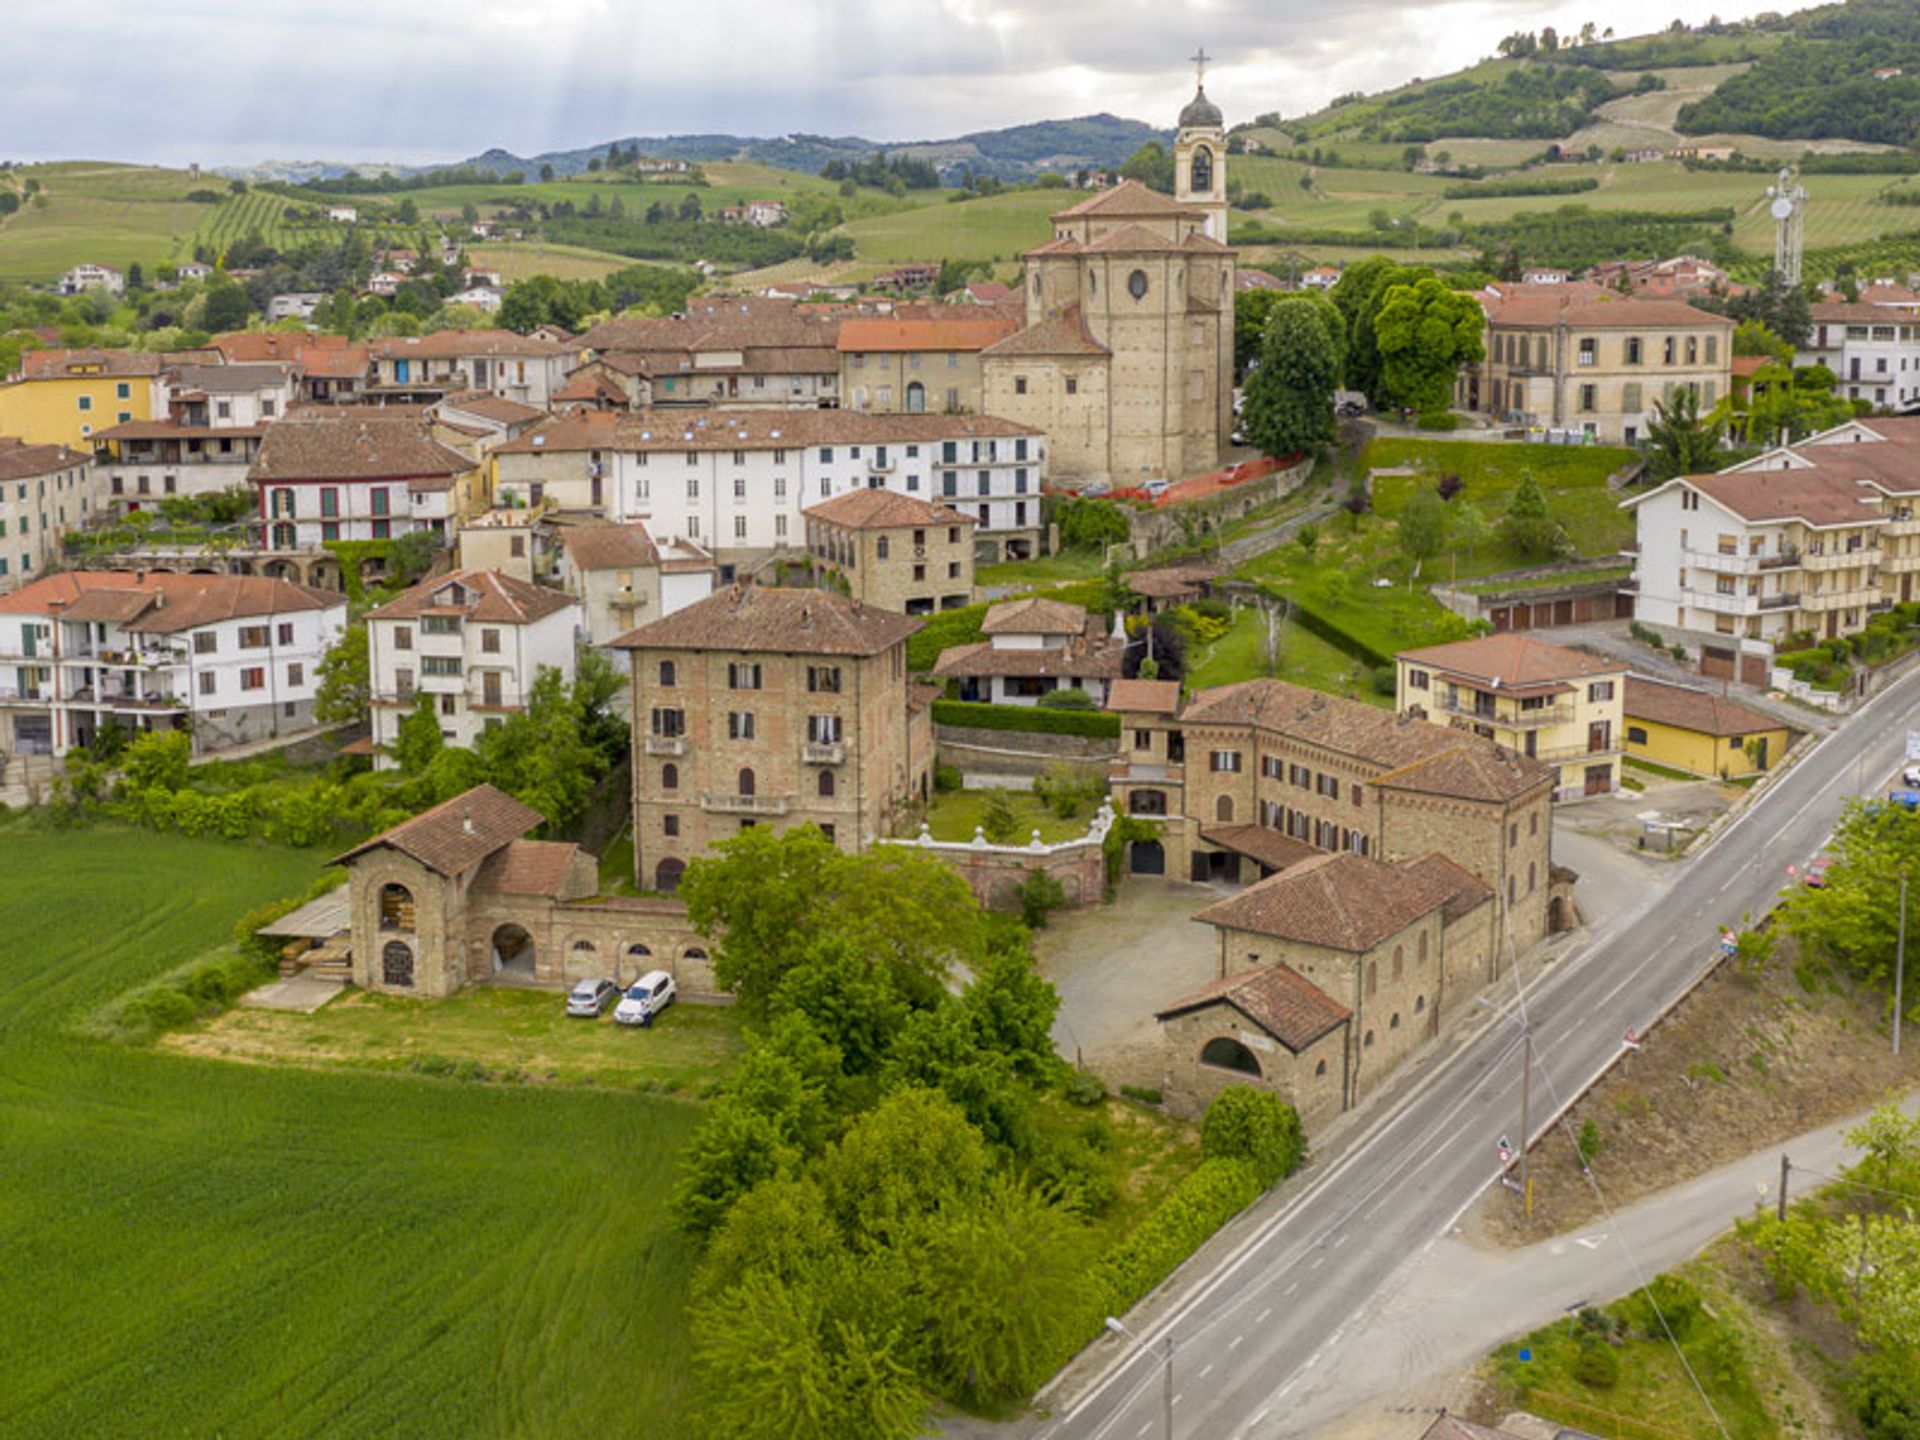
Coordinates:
1152 166
1680 441
225 307
997 821
1288 406
847 1001
158 760
1356 296
540 756
1781 307
1010 1007
1528 528
900 1163
1038 894
345 686
546 171
1423 525
1257 1126
1425 333
1852 919
419 739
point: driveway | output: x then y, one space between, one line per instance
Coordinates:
1114 965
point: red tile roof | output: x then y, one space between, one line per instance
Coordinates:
1129 197
1512 659
163 603
609 546
745 619
1034 615
23 462
484 595
1277 998
456 834
950 333
1604 311
1144 697
1062 334
528 867
354 444
871 508
1344 902
1699 710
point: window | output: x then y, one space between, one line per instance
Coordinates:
740 725
743 675
693 485
285 632
823 729
439 625
1073 384
296 674
668 723
669 825
403 637
1147 802
826 784
1417 680
254 677
396 965
739 527
443 665
1630 396
826 454
86 402
253 637
1224 762
667 674
490 642
1137 284
739 487
1019 384
448 705
1223 809
1589 351
1373 978
1636 735
123 391
1633 349
1589 397
205 642
823 679
1600 690
669 777
882 549
206 682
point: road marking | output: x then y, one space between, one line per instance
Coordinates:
1318 1261
1144 1428
1590 1244
1207 1371
1178 1396
1234 1344
1261 1318
1340 1240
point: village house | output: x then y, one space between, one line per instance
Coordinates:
1712 736
735 351
294 305
892 550
517 367
89 276
983 292
1872 349
229 658
1243 776
46 493
623 579
326 369
486 417
1540 700
480 297
1320 277
910 365
343 214
1034 647
1574 357
210 434
920 275
771 707
344 475
474 640
61 397
1331 974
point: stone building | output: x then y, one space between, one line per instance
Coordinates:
894 551
914 364
1343 966
1126 360
459 896
1239 769
771 707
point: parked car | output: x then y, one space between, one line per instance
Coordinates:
1156 488
1815 876
1910 777
645 999
1905 799
1096 489
1349 409
589 999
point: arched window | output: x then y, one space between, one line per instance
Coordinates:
1423 947
1225 1053
1394 1023
1399 961
639 952
396 908
1137 284
745 783
1320 1069
668 676
1223 809
1147 802
1530 876
826 784
1373 978
396 964
1419 1004
583 947
1367 1044
669 777
666 875
1201 175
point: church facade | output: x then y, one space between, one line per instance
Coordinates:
1126 359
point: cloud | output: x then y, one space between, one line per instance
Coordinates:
223 81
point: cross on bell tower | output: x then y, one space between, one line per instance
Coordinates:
1200 58
1199 155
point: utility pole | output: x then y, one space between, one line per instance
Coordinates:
1168 1399
1786 1166
1900 965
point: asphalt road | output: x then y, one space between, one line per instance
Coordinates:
1258 1341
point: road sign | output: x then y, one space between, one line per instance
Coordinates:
1728 944
1506 1155
1631 1039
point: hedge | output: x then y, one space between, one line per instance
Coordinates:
1315 623
1215 1192
1097 724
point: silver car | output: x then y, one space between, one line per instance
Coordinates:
590 998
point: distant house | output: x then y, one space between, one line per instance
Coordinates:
1257 280
982 292
385 283
482 275
294 305
1321 277
908 277
1034 647
343 214
623 579
1540 275
481 297
1888 72
193 270
1644 154
1720 153
89 276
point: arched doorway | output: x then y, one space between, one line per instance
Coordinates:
1148 857
666 875
513 951
1225 1053
916 398
396 907
396 964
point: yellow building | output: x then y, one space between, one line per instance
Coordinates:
62 396
1539 700
1701 733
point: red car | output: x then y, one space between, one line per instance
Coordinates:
1815 877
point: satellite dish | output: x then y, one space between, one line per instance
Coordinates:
1781 208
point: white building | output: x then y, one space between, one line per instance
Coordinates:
1874 350
46 491
481 297
1032 648
215 417
735 482
475 640
233 658
294 305
343 214
88 276
622 579
519 367
357 475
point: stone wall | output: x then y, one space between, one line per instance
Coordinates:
1017 752
1159 528
1309 1081
995 872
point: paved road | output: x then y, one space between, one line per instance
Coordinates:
1258 1341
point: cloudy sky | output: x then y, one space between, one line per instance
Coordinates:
233 81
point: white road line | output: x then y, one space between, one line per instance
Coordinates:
1340 1240
1144 1428
1318 1261
1234 1344
1178 1396
1261 1318
1207 1371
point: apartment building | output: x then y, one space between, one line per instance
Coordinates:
623 579
1032 648
46 492
1248 779
230 658
61 397
770 707
736 483
498 362
1578 358
893 551
910 365
1873 351
359 475
475 640
207 439
1544 701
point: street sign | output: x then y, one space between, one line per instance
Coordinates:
1631 1039
1728 944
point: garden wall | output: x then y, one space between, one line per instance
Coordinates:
1017 752
995 872
1163 527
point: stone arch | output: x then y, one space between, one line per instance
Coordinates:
397 911
513 952
396 964
826 784
1200 172
1223 1052
281 570
584 952
324 574
666 875
1223 809
204 570
745 782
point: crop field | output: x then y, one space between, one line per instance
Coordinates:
198 1247
563 262
996 227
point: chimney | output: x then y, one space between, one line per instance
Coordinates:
466 822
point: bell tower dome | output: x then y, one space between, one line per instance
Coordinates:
1200 157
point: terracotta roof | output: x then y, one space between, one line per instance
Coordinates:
872 508
455 344
490 407
23 462
1144 240
1172 581
1129 197
743 619
357 445
528 867
1513 660
588 386
682 430
163 603
1144 697
1082 658
1465 890
1259 842
609 547
456 834
1344 902
1034 615
1412 754
1699 710
1606 311
1277 998
229 378
1821 498
989 292
716 323
1062 334
948 332
484 595
1862 313
58 364
168 430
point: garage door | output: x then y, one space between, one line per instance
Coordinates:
1149 857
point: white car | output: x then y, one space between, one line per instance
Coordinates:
645 999
1910 777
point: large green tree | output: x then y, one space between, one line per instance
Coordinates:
418 740
1680 440
1852 919
1288 398
1357 296
541 755
1425 333
1528 528
345 687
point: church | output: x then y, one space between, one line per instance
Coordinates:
1126 358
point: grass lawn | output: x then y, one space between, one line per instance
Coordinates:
274 1251
1066 565
953 816
1305 659
1541 582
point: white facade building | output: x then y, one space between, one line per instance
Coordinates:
324 476
622 579
233 658
46 491
1873 350
89 276
475 640
519 367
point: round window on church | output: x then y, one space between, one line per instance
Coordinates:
1137 284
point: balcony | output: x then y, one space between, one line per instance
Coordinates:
824 753
1510 716
1840 600
675 745
745 804
1780 602
1727 562
1841 559
1562 754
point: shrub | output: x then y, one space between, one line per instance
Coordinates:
1145 1094
946 779
1671 1298
1211 1195
1884 1390
1256 1126
1083 1087
1439 420
1596 1366
1385 681
1588 1142
1099 724
1072 698
1040 893
998 824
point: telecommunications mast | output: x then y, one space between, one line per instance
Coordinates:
1788 208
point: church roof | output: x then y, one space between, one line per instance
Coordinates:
1129 197
1201 112
1063 334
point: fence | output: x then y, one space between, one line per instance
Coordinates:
996 872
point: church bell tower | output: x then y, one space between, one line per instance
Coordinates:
1200 157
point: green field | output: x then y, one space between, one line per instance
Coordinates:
954 815
1305 659
203 1248
996 227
